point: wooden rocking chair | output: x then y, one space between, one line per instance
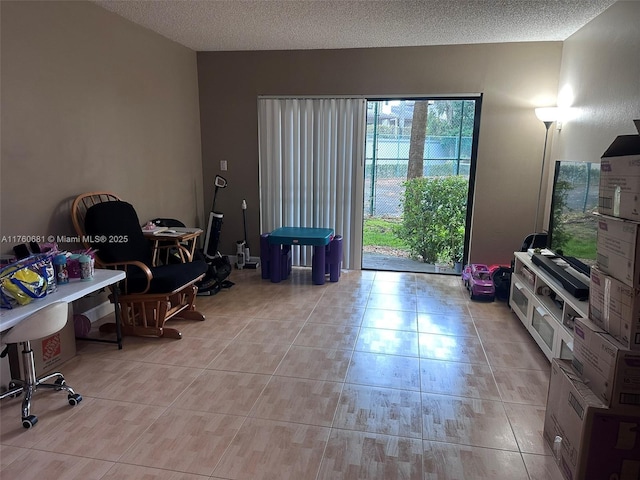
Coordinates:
150 295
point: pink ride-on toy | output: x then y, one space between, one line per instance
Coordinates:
477 279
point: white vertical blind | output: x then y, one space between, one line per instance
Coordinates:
312 168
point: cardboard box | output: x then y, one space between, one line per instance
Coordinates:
590 440
619 191
610 370
618 249
48 352
615 307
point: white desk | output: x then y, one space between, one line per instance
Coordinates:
69 292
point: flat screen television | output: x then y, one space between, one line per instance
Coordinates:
573 225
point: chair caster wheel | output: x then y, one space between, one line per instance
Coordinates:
30 421
74 399
60 382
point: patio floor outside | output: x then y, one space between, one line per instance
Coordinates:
378 261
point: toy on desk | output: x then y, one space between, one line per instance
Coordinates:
151 227
60 267
477 279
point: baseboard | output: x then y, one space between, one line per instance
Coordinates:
99 311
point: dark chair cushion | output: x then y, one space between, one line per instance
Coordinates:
166 278
115 231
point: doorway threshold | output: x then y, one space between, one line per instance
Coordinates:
378 261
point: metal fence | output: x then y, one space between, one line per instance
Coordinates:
386 171
579 183
389 146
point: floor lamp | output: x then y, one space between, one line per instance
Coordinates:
547 115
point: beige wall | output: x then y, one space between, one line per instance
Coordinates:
91 101
514 78
601 66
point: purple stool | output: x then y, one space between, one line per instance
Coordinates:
276 260
285 261
333 258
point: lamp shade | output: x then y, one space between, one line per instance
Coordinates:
547 114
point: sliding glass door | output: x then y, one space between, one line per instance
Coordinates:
418 186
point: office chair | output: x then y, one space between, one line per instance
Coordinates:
150 295
42 323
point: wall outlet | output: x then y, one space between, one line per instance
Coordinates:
223 165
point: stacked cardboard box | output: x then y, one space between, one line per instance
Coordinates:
592 418
615 307
590 440
611 370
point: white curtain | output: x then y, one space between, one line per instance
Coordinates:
312 168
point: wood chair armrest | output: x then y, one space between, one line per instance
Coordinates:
124 266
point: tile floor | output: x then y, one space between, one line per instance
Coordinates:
382 375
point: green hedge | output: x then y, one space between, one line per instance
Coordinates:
434 215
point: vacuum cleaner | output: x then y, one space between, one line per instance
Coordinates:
243 256
219 265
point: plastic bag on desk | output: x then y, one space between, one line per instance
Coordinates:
29 278
23 285
5 300
43 265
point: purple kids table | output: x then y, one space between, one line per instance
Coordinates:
318 238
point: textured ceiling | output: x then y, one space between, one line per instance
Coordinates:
320 24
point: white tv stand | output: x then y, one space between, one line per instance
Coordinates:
545 308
